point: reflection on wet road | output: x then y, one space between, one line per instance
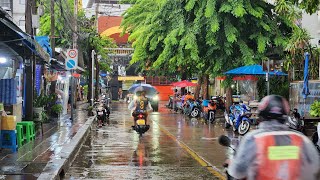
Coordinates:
117 152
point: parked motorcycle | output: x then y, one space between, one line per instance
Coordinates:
239 118
295 122
141 127
106 103
192 108
102 114
178 106
220 102
209 111
170 102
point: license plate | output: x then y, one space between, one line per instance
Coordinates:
141 122
100 113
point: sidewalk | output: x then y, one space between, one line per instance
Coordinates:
32 158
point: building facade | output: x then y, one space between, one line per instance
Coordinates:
16 8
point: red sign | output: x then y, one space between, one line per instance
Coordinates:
76 75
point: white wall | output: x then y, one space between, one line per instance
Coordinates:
312 24
107 9
19 13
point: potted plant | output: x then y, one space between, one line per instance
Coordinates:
315 109
38 106
56 110
90 113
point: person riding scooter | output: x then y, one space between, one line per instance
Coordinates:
273 151
140 104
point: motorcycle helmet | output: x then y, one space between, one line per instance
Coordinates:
273 107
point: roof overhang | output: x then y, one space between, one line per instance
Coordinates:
14 37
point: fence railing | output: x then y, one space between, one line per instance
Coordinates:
120 51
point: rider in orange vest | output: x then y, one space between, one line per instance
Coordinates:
273 152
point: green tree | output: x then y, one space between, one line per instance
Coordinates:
299 41
209 36
88 37
311 6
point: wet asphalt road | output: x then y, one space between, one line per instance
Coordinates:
166 151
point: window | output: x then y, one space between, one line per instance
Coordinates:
5 3
22 23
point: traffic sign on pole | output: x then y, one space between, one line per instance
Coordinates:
72 59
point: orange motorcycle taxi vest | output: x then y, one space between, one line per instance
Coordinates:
278 162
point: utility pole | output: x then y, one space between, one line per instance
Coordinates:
268 78
93 53
52 40
29 63
52 28
75 37
97 79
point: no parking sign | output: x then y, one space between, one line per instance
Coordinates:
72 59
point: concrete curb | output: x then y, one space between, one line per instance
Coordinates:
58 166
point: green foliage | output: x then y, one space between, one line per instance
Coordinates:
88 38
311 6
278 85
315 109
210 36
57 108
63 22
85 90
44 116
90 108
41 100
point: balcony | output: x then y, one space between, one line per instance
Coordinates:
119 51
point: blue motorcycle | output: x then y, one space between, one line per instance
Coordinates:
239 118
192 108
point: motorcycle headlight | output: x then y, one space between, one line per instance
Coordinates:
135 97
155 98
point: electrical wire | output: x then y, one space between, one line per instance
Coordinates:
13 40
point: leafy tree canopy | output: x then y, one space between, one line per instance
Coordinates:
209 36
88 38
311 6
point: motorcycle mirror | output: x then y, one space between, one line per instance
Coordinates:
224 141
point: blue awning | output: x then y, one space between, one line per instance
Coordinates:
247 70
253 70
44 43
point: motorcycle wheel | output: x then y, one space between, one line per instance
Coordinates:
195 112
244 127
